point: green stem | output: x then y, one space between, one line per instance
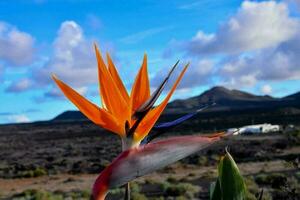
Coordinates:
127 192
127 186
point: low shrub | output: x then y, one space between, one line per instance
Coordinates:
180 189
261 179
275 180
33 194
138 196
172 179
39 171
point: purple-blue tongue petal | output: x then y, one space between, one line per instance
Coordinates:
181 119
164 127
161 128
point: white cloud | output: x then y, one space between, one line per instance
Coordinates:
281 63
261 42
235 72
21 118
73 59
199 72
19 86
247 80
16 47
82 90
266 89
273 64
255 26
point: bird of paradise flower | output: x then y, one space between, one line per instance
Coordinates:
132 117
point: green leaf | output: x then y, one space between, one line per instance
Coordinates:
215 191
230 184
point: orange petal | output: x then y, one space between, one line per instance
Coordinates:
111 96
115 75
141 88
90 110
152 116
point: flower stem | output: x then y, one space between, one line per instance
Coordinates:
127 192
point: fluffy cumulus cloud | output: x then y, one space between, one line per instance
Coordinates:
261 42
274 64
281 63
235 72
16 47
73 58
256 25
266 89
199 73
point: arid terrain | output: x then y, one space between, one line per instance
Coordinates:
61 161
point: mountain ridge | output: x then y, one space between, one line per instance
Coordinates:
225 100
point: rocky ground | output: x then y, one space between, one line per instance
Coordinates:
61 161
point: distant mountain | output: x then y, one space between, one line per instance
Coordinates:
225 99
70 116
295 96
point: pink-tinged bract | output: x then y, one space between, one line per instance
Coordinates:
142 160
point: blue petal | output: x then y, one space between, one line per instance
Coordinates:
179 120
161 128
175 122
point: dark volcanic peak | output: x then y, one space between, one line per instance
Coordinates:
295 96
225 99
222 97
224 93
70 116
221 93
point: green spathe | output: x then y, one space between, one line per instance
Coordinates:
230 184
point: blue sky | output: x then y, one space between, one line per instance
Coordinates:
247 45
